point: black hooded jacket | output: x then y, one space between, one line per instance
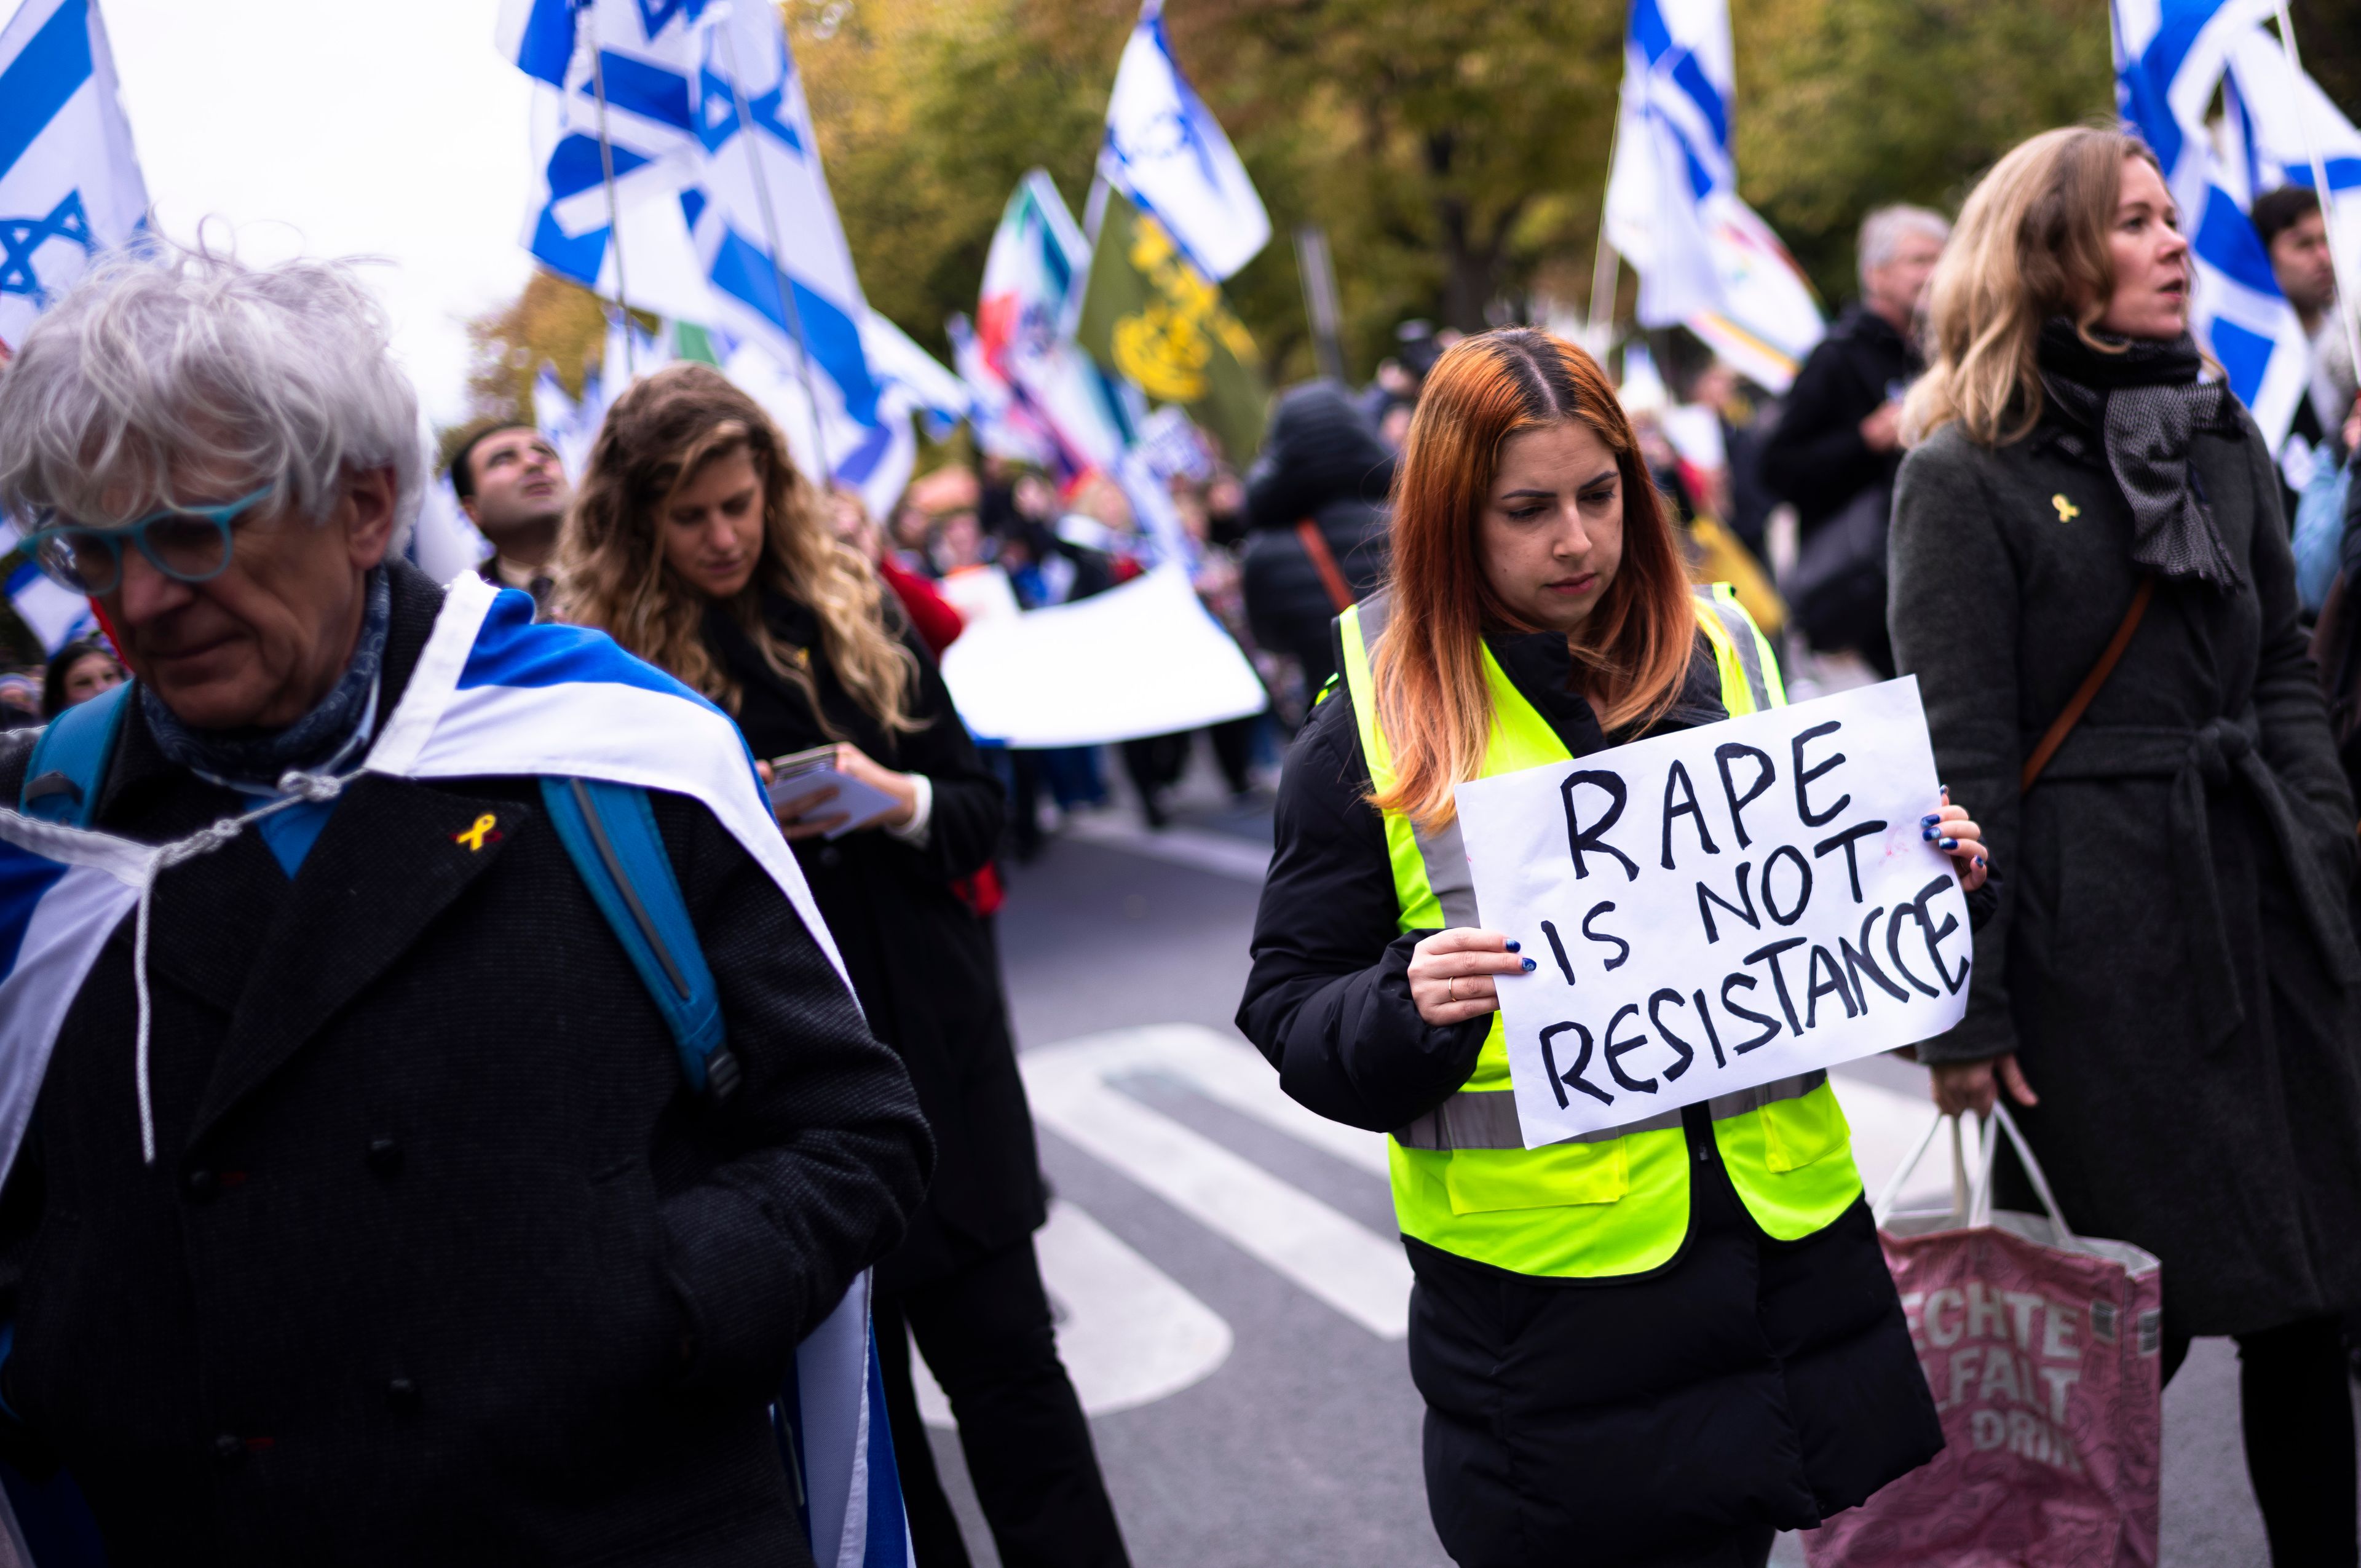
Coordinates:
1322 461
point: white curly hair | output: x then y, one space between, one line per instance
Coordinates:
283 374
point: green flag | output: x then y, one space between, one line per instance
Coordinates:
1150 316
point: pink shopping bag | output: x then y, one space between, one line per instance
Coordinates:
2041 1349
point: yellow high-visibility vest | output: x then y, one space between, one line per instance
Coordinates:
1610 1203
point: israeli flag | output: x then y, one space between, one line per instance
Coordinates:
2275 118
62 893
1705 259
494 693
1165 150
53 614
2171 57
643 54
762 213
70 184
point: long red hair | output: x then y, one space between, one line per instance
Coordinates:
1632 654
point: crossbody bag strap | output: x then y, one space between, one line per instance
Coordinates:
2080 703
1323 561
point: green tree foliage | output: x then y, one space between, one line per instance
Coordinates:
1846 105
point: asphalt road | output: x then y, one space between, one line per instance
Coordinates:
1229 1287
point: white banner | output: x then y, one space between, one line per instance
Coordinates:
1714 909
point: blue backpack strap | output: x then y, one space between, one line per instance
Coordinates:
610 830
69 762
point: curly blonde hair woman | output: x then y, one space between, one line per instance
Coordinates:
697 543
617 574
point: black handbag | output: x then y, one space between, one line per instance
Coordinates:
1835 591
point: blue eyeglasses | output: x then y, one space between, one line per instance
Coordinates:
188 544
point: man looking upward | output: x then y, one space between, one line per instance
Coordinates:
513 486
2288 219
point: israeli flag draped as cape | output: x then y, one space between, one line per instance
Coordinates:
494 693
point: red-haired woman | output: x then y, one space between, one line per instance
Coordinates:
1642 1347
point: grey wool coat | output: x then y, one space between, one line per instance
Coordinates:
2172 959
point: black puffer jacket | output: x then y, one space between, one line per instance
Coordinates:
1322 460
1751 1383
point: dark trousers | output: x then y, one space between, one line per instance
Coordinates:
985 1333
2298 1415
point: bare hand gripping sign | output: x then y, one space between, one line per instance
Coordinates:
1717 908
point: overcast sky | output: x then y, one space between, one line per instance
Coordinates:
341 127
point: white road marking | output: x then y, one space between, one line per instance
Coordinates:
1345 1264
1127 1331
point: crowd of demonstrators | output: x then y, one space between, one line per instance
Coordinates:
2167 988
698 546
393 1249
1316 526
1837 443
1527 528
83 669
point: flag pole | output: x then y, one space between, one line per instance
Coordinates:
2346 302
606 175
1606 262
826 478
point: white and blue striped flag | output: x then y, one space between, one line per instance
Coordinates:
1165 150
644 57
759 184
494 693
2171 57
1705 260
70 184
53 614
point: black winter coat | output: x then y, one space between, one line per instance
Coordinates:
1322 461
1746 1383
2172 960
1814 457
923 962
439 1261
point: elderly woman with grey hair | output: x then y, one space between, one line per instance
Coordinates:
404 1241
2093 586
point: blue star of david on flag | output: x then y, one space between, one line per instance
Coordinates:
20 238
70 184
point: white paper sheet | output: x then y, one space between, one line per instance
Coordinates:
1142 659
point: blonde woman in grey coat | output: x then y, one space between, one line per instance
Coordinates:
2167 987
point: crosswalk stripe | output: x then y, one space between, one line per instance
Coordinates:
1128 1332
1343 1263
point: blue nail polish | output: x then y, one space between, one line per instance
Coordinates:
1512 946
1980 862
1927 834
1947 843
1528 966
1929 821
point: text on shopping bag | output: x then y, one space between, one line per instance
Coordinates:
1719 908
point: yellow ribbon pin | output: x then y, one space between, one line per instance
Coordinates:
2066 510
474 836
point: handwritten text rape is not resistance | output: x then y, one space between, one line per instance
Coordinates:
1719 908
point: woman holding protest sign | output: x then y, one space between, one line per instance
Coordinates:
2093 583
698 546
1656 1344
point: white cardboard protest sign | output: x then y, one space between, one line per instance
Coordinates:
1718 908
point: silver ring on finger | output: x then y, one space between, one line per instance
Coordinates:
1451 988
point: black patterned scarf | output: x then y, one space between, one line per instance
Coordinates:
2143 399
